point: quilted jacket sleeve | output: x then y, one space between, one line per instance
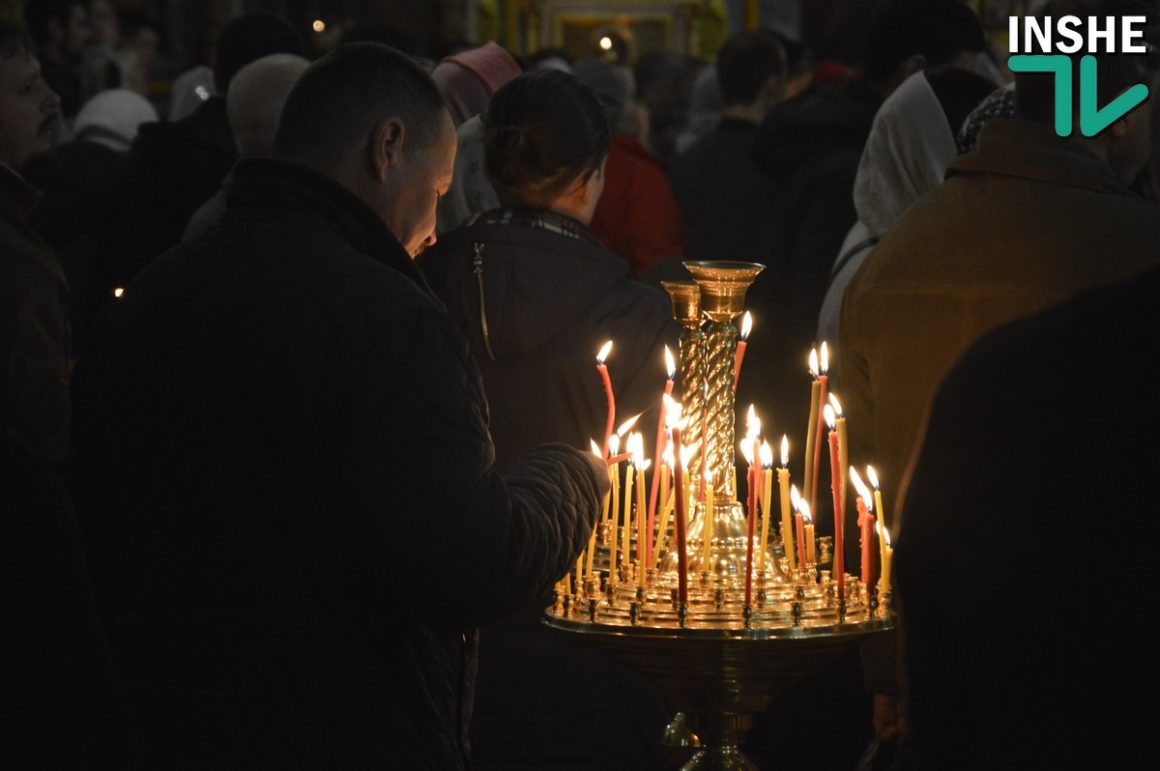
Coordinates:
428 514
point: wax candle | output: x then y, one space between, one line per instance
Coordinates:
811 543
591 551
836 491
887 562
766 495
641 520
843 445
783 487
673 408
739 354
614 517
609 397
872 477
669 496
864 503
629 478
812 422
671 371
823 380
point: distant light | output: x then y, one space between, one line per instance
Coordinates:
118 292
606 43
319 25
202 92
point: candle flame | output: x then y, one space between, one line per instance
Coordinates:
672 412
831 419
814 362
837 405
687 454
863 491
825 358
794 496
766 455
636 448
604 351
667 457
670 365
872 475
886 534
747 451
784 451
119 292
627 425
752 424
746 325
595 448
614 445
643 465
804 508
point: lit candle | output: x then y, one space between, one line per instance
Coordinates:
783 487
843 445
641 521
865 505
614 519
767 494
836 491
739 354
666 507
629 478
887 561
752 477
798 504
823 379
609 398
811 543
603 517
673 410
872 477
812 423
671 368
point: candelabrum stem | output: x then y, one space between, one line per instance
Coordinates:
720 347
693 390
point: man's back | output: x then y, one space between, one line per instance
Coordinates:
294 522
1024 223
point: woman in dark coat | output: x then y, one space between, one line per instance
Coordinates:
537 295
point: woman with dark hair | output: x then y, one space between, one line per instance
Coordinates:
537 295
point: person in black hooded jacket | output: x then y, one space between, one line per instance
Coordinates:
537 294
285 471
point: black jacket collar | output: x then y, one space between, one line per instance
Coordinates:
261 185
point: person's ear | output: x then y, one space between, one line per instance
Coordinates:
386 148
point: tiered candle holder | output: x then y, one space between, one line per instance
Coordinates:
720 653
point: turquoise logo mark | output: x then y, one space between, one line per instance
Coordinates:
1092 118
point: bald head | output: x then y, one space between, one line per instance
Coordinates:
255 100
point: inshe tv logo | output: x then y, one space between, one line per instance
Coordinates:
1045 45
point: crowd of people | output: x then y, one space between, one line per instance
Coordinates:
296 385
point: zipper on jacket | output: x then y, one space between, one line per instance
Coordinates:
477 268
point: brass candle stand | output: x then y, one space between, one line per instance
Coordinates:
715 656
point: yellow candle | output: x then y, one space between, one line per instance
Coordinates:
887 560
641 522
811 435
662 533
810 555
579 573
707 530
786 517
628 479
592 537
614 471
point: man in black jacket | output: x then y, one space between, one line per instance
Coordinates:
294 518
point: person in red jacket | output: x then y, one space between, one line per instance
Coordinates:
637 216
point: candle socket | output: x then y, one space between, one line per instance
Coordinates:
634 613
705 578
676 595
825 549
873 602
592 605
567 605
590 587
841 610
719 598
683 614
747 614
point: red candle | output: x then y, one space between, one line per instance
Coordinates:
652 496
836 490
739 354
608 395
754 481
799 526
674 417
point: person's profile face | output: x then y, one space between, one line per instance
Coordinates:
27 110
421 181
